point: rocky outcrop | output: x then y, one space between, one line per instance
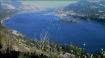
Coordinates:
67 55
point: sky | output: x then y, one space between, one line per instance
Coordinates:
50 4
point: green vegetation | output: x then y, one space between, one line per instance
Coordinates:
13 46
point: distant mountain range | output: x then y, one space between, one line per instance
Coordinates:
8 8
92 11
20 6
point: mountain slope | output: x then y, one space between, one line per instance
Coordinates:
92 11
20 6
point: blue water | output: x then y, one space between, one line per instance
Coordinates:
29 24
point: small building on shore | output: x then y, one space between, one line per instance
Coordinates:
16 33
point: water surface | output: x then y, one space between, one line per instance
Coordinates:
29 24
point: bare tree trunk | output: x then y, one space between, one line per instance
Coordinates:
43 43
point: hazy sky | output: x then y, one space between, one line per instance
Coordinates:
50 4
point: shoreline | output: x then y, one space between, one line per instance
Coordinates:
15 32
4 20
